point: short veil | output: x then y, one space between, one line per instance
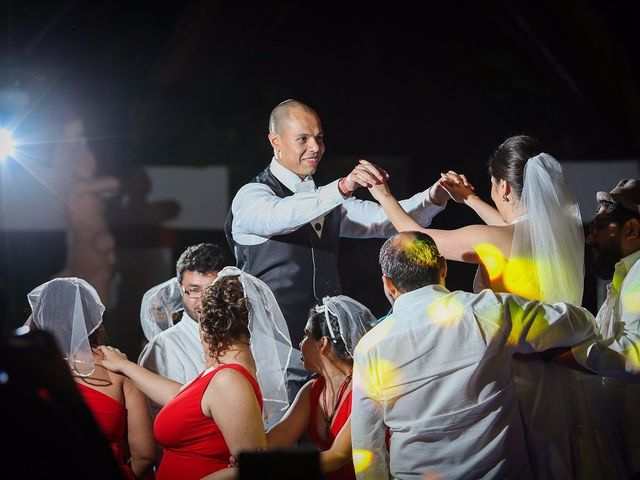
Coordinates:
71 310
354 319
550 237
270 341
158 306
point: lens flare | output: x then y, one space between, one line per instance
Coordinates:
631 296
492 258
520 277
361 459
7 144
445 311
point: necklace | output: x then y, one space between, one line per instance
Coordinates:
325 410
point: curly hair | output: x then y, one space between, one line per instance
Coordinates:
224 317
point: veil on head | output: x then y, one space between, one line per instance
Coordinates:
270 341
354 319
158 305
551 237
71 310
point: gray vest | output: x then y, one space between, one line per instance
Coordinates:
299 267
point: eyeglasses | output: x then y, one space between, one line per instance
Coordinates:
192 292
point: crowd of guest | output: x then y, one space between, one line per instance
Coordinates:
511 379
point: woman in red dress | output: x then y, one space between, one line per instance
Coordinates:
71 310
322 407
220 413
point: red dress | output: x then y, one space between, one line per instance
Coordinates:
340 418
193 444
111 417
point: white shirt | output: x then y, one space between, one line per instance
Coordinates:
617 354
438 373
259 214
176 353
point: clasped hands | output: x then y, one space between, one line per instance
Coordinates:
366 174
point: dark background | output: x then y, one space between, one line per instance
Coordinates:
417 87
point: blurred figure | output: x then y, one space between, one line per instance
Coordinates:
90 244
438 372
39 402
221 412
71 310
322 407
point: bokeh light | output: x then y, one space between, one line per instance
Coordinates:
7 144
361 459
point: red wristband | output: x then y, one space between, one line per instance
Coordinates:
343 188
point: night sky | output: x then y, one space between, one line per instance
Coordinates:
416 87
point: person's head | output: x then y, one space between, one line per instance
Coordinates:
224 316
296 135
506 168
333 329
71 310
196 268
614 232
409 261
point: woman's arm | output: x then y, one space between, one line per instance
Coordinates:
291 427
340 452
463 192
231 401
459 244
157 388
139 430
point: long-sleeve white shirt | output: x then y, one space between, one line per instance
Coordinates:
259 214
617 354
176 353
437 372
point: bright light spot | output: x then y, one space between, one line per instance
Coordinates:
521 278
631 297
7 144
378 374
492 258
445 311
361 459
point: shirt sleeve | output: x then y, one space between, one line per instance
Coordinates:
367 219
535 326
258 211
618 356
368 430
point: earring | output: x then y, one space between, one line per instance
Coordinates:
505 198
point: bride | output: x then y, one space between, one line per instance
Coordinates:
532 244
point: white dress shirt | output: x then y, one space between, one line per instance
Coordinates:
617 354
259 214
438 372
176 353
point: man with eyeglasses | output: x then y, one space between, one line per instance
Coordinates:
177 353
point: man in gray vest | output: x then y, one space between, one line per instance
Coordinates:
285 230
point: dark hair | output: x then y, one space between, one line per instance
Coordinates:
224 317
410 260
201 258
508 161
99 336
319 329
